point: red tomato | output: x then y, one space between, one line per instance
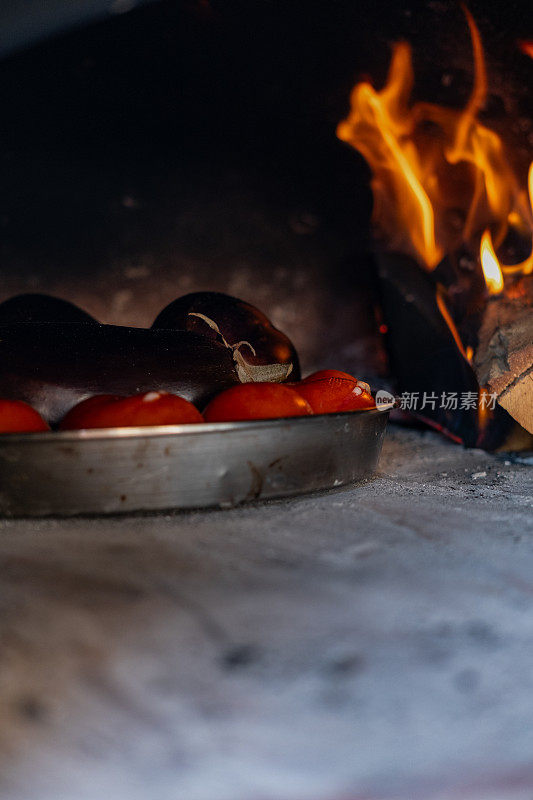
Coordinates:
151 408
76 416
256 401
330 390
19 417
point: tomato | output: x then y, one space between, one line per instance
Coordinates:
256 401
76 416
19 417
151 408
330 390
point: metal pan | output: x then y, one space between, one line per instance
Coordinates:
185 466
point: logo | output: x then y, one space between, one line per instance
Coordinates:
384 398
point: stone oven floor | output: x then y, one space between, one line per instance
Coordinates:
374 642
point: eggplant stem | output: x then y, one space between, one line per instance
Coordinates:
248 373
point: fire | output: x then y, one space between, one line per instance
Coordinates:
492 269
490 265
441 179
381 127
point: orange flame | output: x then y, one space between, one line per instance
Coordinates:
441 303
380 127
490 265
525 267
439 177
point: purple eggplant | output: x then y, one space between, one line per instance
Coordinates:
53 366
41 308
260 351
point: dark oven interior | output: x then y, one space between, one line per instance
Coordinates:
179 146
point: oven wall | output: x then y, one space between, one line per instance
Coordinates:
191 145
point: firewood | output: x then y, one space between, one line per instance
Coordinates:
423 355
504 357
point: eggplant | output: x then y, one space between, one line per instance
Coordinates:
261 351
52 366
41 308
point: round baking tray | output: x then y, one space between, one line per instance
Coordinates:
185 466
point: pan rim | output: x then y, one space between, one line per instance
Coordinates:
190 429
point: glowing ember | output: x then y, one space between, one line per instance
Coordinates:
440 177
490 265
526 46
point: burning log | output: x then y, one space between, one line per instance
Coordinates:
427 362
504 358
